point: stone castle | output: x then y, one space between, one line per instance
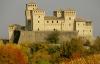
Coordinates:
38 25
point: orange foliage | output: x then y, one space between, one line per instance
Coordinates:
76 55
10 54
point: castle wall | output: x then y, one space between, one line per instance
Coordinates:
83 29
69 16
52 25
40 36
38 22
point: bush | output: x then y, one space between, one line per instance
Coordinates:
53 37
95 48
40 55
72 48
43 62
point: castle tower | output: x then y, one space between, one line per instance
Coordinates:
58 13
34 17
69 16
29 15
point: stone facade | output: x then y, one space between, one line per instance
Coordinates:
62 20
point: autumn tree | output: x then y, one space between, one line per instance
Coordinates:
11 54
41 57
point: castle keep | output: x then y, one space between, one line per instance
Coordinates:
38 25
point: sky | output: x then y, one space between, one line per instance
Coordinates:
13 12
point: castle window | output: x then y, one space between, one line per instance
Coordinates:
38 29
38 21
69 18
39 17
52 21
57 21
47 21
54 29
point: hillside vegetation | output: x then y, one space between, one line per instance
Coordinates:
74 51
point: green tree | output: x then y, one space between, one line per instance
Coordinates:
95 48
53 37
72 48
54 52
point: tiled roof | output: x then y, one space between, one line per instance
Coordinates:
79 19
68 9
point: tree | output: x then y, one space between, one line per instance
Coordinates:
10 54
73 48
95 48
53 37
54 52
41 57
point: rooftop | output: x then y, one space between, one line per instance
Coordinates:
80 19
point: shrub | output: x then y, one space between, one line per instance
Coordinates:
72 48
43 62
95 48
41 55
53 37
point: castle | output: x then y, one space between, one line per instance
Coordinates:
38 23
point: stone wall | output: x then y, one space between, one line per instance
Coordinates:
40 36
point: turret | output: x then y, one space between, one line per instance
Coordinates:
34 17
70 14
29 15
58 13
